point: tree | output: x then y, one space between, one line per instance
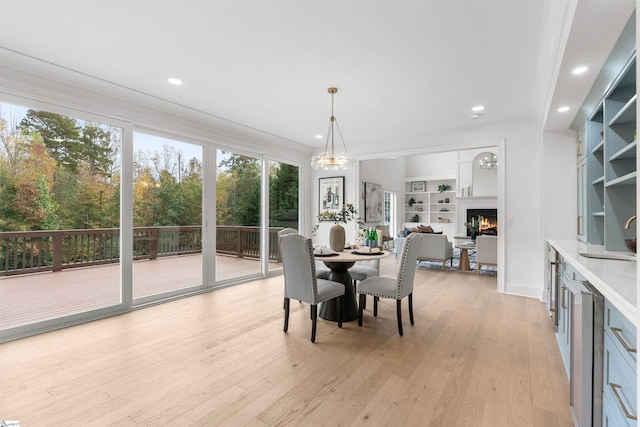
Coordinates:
97 149
32 200
167 190
240 176
60 134
283 195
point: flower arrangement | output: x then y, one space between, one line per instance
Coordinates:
344 215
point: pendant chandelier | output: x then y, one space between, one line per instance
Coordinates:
329 159
489 163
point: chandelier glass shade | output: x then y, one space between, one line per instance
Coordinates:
329 158
489 162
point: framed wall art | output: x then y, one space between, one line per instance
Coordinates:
418 186
331 194
373 202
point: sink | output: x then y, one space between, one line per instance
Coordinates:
609 256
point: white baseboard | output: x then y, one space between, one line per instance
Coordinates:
522 290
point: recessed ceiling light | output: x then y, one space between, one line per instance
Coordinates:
174 81
318 136
563 109
580 70
478 108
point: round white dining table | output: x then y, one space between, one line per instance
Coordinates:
340 265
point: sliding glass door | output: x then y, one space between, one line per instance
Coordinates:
283 205
96 218
167 216
238 212
59 215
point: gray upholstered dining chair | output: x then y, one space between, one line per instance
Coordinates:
322 271
398 288
300 281
362 270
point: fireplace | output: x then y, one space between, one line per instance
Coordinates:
488 220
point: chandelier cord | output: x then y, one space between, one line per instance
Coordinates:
331 120
332 159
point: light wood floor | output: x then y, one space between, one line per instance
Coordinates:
473 358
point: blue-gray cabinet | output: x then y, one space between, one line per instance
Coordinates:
620 367
607 179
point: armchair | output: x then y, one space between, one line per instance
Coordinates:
486 251
436 247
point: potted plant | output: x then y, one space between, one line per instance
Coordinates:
411 202
474 227
337 234
444 187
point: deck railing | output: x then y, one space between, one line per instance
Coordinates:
35 251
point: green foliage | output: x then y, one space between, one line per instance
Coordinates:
347 213
283 195
57 172
46 205
61 135
239 177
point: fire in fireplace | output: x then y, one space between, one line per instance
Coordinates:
488 220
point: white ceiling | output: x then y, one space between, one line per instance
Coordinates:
401 67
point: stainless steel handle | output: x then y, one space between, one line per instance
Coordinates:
614 388
616 332
562 303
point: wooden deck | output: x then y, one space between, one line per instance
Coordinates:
29 298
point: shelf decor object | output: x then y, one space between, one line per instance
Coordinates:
418 186
329 159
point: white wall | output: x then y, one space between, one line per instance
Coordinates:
559 185
435 164
559 189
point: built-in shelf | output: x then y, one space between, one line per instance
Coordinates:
627 113
428 212
607 176
628 179
628 152
598 148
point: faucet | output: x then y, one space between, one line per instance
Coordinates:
629 221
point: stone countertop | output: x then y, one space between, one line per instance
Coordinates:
616 280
